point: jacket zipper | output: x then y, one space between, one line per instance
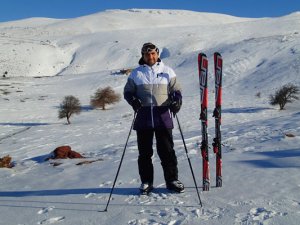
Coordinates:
152 75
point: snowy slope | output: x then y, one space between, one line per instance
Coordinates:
261 164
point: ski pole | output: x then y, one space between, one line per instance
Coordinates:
188 159
112 189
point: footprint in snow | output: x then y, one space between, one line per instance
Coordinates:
108 183
130 199
174 222
142 221
152 221
207 214
46 210
52 220
90 195
134 181
240 203
256 215
295 203
196 212
177 212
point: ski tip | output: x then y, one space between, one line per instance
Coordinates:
201 54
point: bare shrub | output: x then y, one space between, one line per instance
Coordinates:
68 107
122 72
286 94
104 96
5 162
126 71
290 135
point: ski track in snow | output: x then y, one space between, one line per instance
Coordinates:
46 210
52 220
15 133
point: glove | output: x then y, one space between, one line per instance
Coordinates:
136 104
175 105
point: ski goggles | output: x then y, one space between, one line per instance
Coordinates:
149 47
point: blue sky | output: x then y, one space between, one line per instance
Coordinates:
19 9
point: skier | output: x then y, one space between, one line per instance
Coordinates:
154 94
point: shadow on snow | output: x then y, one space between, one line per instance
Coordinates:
83 108
245 110
81 191
24 124
289 158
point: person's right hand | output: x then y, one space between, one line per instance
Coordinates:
136 104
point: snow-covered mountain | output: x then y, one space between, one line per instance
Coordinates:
47 59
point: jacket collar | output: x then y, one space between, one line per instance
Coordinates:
155 68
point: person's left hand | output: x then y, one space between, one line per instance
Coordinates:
175 105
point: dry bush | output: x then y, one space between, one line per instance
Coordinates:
104 96
289 135
68 107
126 71
286 94
122 72
5 162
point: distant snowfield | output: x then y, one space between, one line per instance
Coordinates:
47 59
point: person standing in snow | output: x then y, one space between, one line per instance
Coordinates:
154 94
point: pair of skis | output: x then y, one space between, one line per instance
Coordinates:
203 71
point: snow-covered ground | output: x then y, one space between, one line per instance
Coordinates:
47 59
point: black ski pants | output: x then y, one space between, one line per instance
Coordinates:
165 151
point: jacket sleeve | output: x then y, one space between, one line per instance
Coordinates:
129 90
174 87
